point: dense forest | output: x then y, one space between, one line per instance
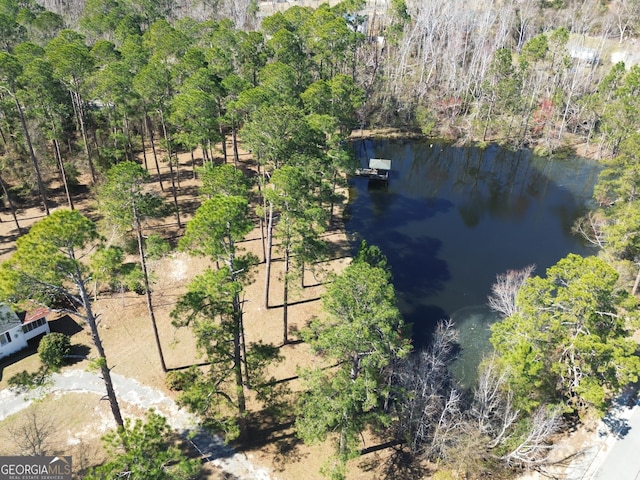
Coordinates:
103 94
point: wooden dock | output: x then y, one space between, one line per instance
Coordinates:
378 170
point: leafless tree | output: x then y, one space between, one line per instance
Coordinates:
591 228
84 455
469 433
240 12
492 423
33 435
505 291
425 378
499 423
582 16
626 16
447 429
526 12
492 410
532 451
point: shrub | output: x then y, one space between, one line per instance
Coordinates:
157 247
52 349
178 381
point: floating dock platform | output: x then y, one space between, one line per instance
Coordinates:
378 170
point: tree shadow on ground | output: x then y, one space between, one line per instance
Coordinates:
550 470
190 451
615 421
11 239
65 324
296 302
617 425
265 429
399 465
78 353
188 200
31 349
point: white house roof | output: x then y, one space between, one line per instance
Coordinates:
8 319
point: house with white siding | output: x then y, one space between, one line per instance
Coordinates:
16 329
588 55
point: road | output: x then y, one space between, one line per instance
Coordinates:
235 465
622 457
613 452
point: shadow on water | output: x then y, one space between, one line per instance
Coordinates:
410 255
451 219
421 332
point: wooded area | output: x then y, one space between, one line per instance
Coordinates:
96 98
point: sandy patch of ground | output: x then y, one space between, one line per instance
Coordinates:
26 411
130 347
70 424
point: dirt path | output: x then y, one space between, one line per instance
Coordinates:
128 390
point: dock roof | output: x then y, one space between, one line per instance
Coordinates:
380 163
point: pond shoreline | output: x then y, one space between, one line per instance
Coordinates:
578 149
453 217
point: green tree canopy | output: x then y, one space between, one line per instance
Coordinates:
52 349
145 449
46 265
218 223
277 133
196 107
295 195
223 180
47 268
568 340
125 204
363 332
123 197
213 307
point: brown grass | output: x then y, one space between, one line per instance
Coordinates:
127 335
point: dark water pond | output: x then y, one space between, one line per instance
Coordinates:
452 218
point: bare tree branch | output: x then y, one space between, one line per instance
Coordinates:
533 450
505 291
33 435
591 228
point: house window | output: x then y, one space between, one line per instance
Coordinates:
5 338
33 325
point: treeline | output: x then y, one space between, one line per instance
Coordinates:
124 78
523 73
129 83
74 102
241 12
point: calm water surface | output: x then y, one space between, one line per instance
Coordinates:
452 218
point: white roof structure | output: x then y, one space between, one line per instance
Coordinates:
380 164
